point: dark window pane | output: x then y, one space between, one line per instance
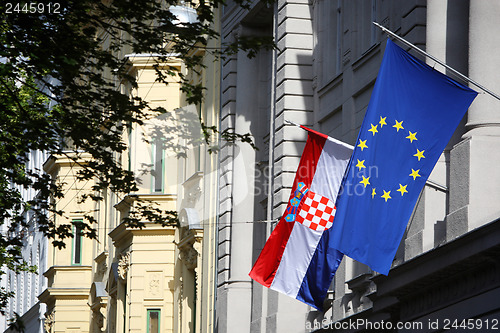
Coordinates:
158 167
77 245
154 321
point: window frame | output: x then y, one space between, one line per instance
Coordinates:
77 236
156 147
148 315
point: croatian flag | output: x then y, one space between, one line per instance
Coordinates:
296 260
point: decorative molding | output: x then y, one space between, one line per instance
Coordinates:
193 195
101 265
154 285
102 268
362 287
189 256
49 321
99 319
123 265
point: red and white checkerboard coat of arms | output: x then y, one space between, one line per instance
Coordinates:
316 211
310 209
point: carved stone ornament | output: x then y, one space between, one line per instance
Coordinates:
102 268
189 257
154 284
98 319
49 322
123 264
193 195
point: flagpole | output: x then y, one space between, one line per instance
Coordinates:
428 182
291 123
454 71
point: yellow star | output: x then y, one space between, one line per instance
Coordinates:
382 121
362 144
373 129
399 125
419 154
414 174
361 164
373 193
365 181
386 195
402 189
412 136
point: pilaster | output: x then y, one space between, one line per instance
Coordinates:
474 196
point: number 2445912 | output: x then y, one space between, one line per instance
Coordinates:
33 8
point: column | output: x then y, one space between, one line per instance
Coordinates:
474 172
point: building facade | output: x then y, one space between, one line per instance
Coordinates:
26 285
194 277
156 278
151 279
322 75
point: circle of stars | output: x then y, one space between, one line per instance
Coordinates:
362 145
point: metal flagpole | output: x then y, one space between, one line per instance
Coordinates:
454 71
428 182
291 123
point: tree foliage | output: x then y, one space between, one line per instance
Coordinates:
60 76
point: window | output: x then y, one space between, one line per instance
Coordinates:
330 37
77 243
129 155
157 171
338 37
153 321
366 30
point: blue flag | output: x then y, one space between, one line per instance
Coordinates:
412 115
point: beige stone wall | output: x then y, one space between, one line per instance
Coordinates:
197 204
145 257
68 281
141 155
147 280
126 271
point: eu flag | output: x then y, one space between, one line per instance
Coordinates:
412 115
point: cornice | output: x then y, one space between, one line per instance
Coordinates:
129 199
69 293
101 257
56 161
50 294
54 269
442 262
122 233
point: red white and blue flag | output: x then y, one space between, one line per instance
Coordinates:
296 260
